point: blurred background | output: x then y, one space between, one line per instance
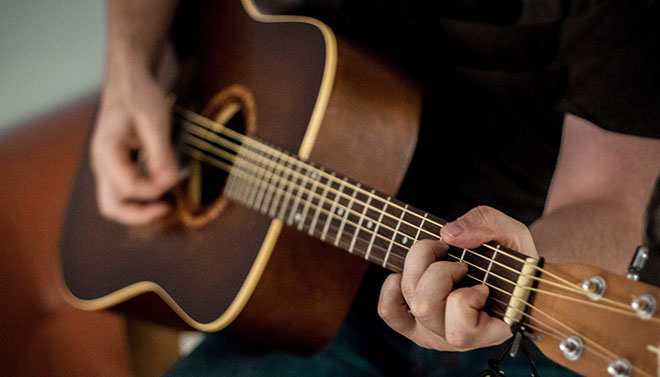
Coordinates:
51 56
51 53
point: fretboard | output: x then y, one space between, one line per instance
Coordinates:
340 211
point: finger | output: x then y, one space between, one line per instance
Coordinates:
393 309
420 256
427 303
467 325
484 224
113 208
153 128
112 163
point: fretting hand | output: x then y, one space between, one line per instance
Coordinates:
421 304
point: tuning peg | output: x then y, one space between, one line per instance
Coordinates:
594 287
638 262
572 347
620 368
644 306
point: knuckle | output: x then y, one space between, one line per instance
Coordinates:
407 289
483 215
457 339
385 311
421 309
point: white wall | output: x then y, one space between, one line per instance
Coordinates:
51 52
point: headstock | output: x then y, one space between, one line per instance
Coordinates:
594 323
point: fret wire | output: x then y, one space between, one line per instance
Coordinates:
331 180
374 233
313 176
287 196
261 192
316 213
490 265
380 222
274 187
242 138
349 206
373 237
396 230
237 172
279 154
270 188
248 195
359 225
239 186
463 254
381 214
252 193
421 225
333 207
296 201
280 184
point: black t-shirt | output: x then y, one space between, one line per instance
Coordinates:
499 75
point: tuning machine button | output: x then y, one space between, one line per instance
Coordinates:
638 262
572 347
620 368
644 306
594 287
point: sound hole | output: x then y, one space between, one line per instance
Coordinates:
201 198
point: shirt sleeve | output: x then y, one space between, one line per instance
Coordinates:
611 50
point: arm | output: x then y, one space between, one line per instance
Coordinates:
594 213
597 200
133 114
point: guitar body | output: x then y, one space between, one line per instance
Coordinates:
298 88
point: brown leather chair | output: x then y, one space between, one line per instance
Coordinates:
41 334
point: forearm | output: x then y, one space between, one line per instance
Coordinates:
598 233
137 31
597 201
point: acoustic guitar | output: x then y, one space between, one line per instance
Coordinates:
257 236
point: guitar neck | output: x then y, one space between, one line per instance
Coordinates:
338 210
354 217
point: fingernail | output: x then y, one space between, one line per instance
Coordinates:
454 228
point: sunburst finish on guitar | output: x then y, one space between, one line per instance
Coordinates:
221 260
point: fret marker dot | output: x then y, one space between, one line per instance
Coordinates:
340 211
369 225
404 240
297 217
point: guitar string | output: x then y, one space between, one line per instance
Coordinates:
550 331
559 322
228 144
213 126
223 154
569 298
569 286
624 306
288 192
553 294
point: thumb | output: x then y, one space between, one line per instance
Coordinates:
484 224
